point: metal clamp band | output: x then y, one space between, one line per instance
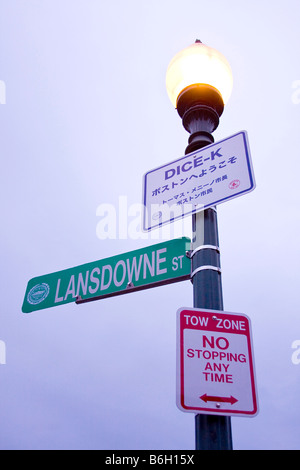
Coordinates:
202 268
191 253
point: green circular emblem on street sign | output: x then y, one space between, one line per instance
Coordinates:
38 293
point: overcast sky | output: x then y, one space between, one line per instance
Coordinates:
84 114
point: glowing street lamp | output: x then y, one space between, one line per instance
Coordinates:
199 83
198 64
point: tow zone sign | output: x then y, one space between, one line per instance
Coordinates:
215 364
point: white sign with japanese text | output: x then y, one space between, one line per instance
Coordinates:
201 179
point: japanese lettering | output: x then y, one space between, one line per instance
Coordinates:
198 173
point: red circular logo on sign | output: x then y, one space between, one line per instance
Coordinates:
234 184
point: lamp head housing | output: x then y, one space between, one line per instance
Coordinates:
199 83
196 65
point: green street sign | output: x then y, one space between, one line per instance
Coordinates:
152 266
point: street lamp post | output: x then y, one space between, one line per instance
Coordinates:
199 83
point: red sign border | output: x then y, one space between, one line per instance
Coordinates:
180 362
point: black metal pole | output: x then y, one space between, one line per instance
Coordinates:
200 107
212 432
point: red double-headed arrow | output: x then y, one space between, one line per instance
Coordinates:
230 400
